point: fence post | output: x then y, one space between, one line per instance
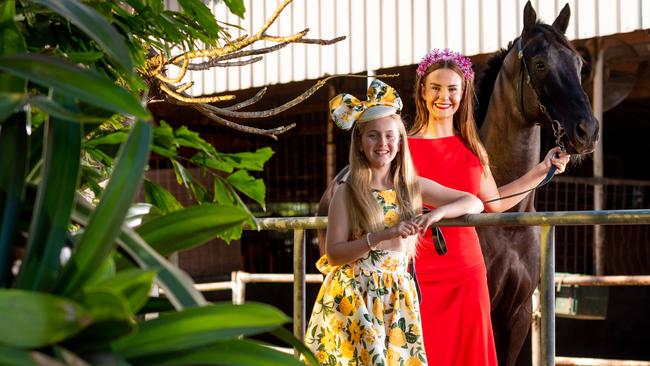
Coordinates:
535 330
299 284
599 196
547 290
238 288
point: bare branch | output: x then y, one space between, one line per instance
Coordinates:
239 63
272 133
213 62
272 112
256 98
234 46
324 42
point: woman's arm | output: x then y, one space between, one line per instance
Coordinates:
339 249
530 180
449 203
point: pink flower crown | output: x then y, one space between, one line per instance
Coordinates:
437 55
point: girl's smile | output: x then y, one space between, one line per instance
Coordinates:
380 141
442 92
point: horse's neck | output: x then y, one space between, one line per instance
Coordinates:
512 143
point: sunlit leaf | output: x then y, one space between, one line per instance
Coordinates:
236 7
190 226
249 185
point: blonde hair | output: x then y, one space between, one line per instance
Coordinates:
364 211
464 124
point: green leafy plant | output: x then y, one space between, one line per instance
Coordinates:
73 121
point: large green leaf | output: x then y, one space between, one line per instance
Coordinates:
230 353
189 227
55 110
96 27
13 166
178 286
197 327
97 241
249 160
37 319
199 11
249 185
236 7
133 285
106 305
160 197
74 81
54 201
11 41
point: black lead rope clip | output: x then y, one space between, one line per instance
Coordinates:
438 239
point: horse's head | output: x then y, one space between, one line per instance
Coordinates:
554 96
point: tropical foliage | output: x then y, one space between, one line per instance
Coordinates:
75 140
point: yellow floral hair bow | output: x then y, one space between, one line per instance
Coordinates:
382 101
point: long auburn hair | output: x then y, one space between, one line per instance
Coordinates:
364 211
464 124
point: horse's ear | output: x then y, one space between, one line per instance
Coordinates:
530 17
562 21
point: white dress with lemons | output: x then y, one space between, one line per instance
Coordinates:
367 311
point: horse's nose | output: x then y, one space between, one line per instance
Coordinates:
586 134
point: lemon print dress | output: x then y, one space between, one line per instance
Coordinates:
367 311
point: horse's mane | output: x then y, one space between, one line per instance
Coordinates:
485 84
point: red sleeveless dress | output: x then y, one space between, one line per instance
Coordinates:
455 306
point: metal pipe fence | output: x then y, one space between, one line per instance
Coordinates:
547 222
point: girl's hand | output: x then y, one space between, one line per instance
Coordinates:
560 161
404 229
424 221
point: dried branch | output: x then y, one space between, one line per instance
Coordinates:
256 98
209 64
220 56
272 112
239 63
272 133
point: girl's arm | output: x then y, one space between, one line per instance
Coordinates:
530 180
339 249
449 203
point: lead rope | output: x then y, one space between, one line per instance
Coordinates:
558 132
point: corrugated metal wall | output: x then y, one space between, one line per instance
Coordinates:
387 33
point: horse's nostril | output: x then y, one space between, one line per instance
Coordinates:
582 132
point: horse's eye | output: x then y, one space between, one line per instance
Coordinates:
540 66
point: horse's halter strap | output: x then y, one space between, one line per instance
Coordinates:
558 129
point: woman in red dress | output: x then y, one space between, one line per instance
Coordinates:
445 147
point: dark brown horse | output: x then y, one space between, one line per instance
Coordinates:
534 82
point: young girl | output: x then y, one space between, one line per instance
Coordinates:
367 310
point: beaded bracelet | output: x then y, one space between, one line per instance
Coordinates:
368 241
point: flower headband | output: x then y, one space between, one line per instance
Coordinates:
382 101
437 55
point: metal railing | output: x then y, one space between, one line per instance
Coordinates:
547 222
